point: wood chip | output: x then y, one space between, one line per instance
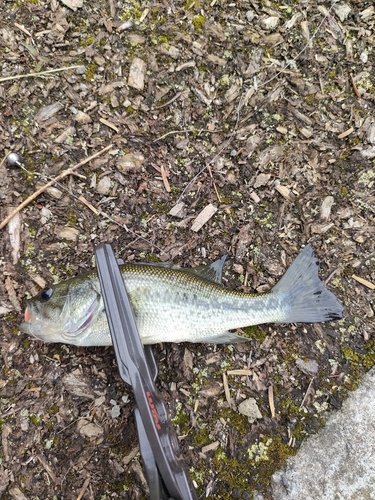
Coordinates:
12 294
48 111
178 210
14 228
130 161
254 197
137 74
165 179
17 494
203 217
81 117
364 282
284 191
240 372
88 205
66 135
6 431
211 447
261 180
216 60
129 457
346 133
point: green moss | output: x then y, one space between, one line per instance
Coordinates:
201 437
72 218
247 472
90 71
255 332
35 420
87 41
53 410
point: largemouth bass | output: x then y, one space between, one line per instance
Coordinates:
179 305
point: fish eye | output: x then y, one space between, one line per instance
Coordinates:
46 294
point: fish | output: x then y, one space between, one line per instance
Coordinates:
173 304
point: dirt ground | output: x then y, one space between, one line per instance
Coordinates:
257 111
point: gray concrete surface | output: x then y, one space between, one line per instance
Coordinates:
339 462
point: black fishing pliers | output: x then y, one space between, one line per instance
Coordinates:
158 442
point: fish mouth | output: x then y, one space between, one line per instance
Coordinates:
64 329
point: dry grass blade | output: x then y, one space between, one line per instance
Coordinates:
227 392
271 401
40 73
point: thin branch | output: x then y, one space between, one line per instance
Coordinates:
53 181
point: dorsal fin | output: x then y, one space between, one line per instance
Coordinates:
210 272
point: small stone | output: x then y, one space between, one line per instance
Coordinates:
250 15
131 161
68 233
73 4
270 22
115 411
250 409
89 429
104 185
238 268
308 367
342 10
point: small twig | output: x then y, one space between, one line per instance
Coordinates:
213 182
306 393
84 488
174 98
41 73
50 183
165 179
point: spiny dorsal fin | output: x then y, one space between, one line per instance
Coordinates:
210 272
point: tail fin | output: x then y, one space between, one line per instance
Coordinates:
307 299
